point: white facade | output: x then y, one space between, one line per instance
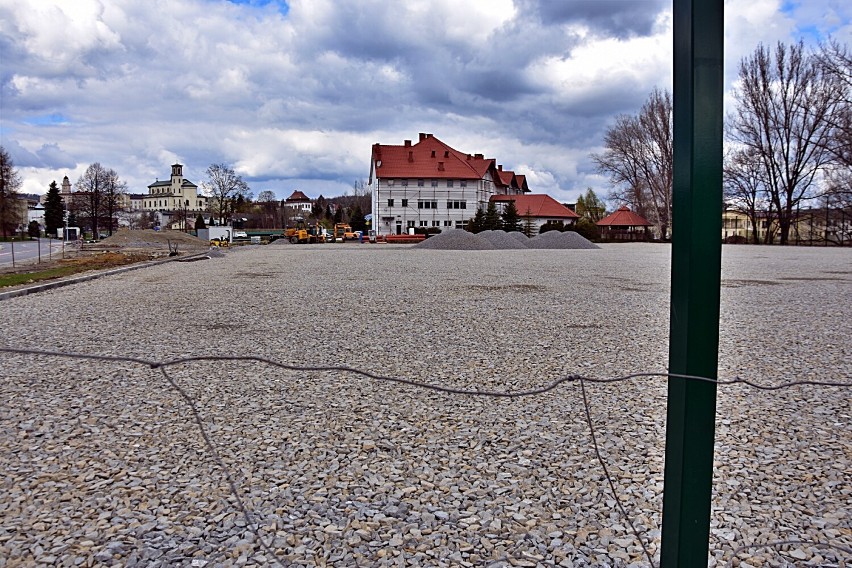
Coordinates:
177 194
401 204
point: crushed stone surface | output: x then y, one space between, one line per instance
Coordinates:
104 463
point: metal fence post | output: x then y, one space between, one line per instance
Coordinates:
696 265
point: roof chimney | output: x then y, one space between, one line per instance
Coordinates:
479 156
429 136
410 155
408 142
499 167
440 166
422 136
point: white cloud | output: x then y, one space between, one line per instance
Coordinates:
302 96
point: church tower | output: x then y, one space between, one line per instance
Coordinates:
177 179
66 186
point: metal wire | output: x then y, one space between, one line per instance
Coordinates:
254 526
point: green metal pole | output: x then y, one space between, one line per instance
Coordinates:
696 265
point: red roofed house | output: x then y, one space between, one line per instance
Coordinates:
299 203
624 225
430 184
540 208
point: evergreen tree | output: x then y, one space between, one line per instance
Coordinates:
476 224
587 229
54 210
356 219
492 218
511 219
33 229
199 222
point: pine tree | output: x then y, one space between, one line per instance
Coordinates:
54 210
356 219
199 222
511 219
492 218
476 224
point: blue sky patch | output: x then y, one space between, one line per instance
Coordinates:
47 119
282 5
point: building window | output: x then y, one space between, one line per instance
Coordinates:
463 183
390 202
404 183
427 204
405 203
456 204
390 183
449 183
420 183
436 223
448 223
411 224
434 183
424 223
461 224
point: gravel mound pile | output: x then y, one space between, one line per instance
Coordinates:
560 240
519 236
150 239
455 239
501 240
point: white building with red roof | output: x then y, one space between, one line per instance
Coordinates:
299 203
538 208
430 184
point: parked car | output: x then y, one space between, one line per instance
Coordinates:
240 235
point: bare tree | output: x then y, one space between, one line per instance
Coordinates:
10 184
638 160
745 190
836 60
786 112
113 198
224 187
88 202
267 203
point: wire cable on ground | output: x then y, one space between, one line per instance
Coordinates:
254 526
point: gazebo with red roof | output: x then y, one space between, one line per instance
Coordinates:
624 225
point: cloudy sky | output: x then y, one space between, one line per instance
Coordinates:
293 94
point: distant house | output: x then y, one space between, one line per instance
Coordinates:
538 208
299 204
430 184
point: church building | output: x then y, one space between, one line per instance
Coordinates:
177 194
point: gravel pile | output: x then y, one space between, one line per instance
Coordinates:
501 240
519 236
104 465
455 239
150 239
560 240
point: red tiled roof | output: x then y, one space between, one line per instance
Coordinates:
429 158
539 205
522 182
624 217
298 197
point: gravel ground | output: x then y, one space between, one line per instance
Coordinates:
103 462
